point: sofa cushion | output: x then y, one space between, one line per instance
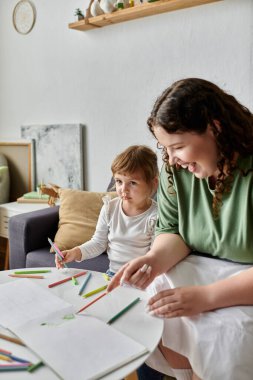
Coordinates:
78 215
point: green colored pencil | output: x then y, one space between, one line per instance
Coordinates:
32 271
123 311
33 367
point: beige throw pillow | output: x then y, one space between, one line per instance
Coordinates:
78 215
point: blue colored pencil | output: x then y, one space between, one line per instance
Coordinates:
84 283
18 359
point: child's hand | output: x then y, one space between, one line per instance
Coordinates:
69 255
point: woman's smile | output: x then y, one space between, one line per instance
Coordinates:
195 152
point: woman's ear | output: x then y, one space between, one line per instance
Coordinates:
217 125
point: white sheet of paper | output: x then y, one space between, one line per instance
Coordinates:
110 305
23 300
81 348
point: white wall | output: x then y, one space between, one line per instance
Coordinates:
108 78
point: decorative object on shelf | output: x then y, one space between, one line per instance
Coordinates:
139 10
24 16
122 4
95 8
108 6
79 14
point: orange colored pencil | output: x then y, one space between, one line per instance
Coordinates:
10 339
26 276
90 303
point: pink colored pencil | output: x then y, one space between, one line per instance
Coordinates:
66 279
58 250
90 303
2 351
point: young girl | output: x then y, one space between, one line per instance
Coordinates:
125 227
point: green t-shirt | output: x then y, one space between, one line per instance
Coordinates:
188 212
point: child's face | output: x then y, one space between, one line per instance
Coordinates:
133 188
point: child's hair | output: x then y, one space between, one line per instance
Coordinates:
136 157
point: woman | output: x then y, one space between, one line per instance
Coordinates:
205 204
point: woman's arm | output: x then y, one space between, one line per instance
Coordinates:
167 250
192 300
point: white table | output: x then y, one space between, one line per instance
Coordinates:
138 324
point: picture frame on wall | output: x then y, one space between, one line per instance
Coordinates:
59 156
20 158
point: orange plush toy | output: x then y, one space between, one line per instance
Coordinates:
52 191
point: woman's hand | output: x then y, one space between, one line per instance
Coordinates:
179 302
138 273
167 250
69 255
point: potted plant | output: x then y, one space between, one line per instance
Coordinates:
79 14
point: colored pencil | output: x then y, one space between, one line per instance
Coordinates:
93 301
84 283
2 351
25 276
123 311
106 277
33 367
66 279
57 251
10 339
74 281
18 359
14 367
32 271
95 291
5 357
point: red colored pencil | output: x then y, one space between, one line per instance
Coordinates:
90 303
66 279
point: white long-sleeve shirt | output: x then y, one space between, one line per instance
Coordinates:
123 237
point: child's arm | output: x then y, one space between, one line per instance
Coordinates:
99 241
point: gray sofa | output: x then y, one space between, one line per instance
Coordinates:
29 247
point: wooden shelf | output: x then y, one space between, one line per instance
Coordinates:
138 11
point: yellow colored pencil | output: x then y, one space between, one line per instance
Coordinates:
6 358
95 291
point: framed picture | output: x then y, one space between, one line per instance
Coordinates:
59 156
20 158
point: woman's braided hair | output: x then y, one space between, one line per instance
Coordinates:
190 105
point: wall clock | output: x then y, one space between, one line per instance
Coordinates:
24 15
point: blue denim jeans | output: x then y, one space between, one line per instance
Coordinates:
110 273
147 373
